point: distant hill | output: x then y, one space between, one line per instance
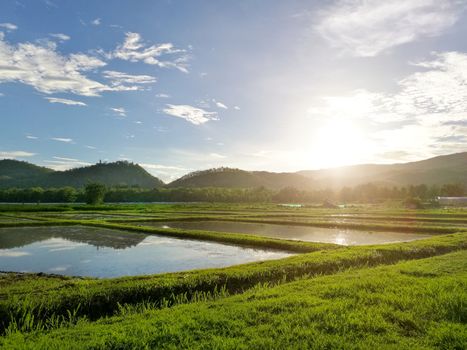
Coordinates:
22 174
11 169
438 170
228 177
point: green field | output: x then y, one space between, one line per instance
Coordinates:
400 295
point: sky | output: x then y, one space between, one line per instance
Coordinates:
178 86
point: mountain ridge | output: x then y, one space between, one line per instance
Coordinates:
438 170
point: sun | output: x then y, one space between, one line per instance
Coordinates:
337 143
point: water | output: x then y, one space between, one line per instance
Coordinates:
97 252
302 233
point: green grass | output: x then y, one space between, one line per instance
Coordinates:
326 296
412 305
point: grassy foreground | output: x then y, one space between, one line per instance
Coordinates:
401 295
411 305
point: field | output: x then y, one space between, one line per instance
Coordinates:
399 295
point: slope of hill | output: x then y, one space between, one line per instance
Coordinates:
15 169
228 177
438 170
111 174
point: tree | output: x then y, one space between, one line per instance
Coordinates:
453 190
94 193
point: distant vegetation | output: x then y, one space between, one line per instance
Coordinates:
95 193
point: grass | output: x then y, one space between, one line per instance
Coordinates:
412 305
326 296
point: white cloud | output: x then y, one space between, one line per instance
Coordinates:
66 159
90 147
134 50
427 115
120 79
96 22
217 155
15 154
191 114
120 111
42 67
65 101
62 164
60 36
221 105
153 166
8 26
31 137
440 89
162 95
368 28
236 108
62 139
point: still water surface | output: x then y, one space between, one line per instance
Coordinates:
302 233
97 252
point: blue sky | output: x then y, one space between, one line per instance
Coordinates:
179 86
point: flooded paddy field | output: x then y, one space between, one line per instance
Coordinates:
99 252
292 232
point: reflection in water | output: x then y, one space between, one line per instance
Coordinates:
72 251
302 233
63 238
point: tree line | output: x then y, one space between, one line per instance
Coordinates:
96 193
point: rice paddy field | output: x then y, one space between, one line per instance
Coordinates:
232 276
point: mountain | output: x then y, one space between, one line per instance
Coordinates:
228 177
22 174
438 170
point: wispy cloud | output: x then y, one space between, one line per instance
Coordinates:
120 111
368 28
15 154
63 163
162 95
154 166
217 155
62 139
96 22
221 105
31 137
66 159
65 101
120 78
133 49
8 26
60 36
191 114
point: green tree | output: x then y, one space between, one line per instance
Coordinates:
94 193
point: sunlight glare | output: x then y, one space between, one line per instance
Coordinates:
338 142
